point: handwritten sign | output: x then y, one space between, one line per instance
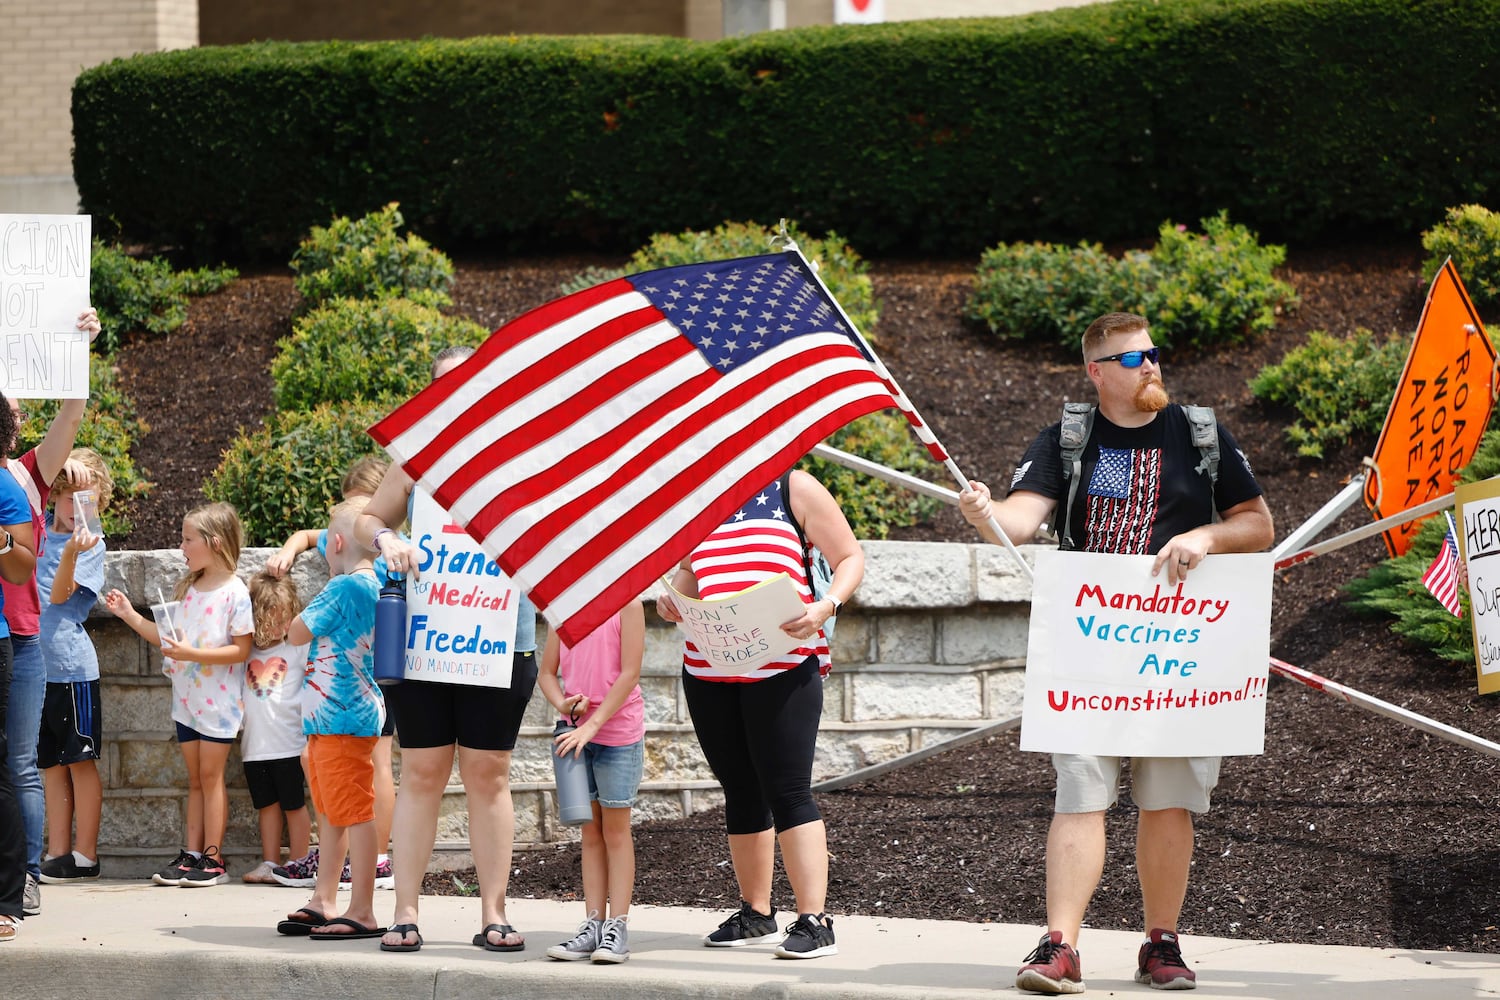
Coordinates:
44 285
1440 410
461 613
1121 663
1478 507
740 632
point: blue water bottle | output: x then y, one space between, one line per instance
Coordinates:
573 805
390 632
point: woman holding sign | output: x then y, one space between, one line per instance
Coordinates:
758 729
433 719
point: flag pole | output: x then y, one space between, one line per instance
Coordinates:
783 240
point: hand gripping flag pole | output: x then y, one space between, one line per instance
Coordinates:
783 241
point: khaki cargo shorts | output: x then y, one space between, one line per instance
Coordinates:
1092 784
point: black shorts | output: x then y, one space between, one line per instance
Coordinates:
70 724
275 782
430 714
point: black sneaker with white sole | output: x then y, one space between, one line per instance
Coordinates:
63 868
171 873
809 936
745 926
208 871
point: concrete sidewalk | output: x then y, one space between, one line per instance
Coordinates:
128 940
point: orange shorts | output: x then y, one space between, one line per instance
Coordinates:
341 776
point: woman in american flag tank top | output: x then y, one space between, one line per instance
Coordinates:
758 730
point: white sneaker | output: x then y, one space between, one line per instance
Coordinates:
261 874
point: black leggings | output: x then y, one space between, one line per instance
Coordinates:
759 739
12 833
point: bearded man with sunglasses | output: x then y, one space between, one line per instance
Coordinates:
1144 488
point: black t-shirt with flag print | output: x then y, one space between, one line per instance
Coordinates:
1140 486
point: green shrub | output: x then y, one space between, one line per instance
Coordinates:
1043 291
133 295
1470 234
873 506
349 349
366 258
1215 287
1339 387
1394 587
110 427
286 475
1195 289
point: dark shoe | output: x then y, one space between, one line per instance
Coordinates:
1160 964
302 923
56 871
299 874
405 945
356 931
614 942
171 873
746 926
809 936
1053 967
208 871
482 939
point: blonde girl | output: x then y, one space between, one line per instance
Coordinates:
206 663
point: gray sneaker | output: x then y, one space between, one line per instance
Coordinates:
614 943
31 901
582 944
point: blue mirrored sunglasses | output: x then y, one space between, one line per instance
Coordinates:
1133 359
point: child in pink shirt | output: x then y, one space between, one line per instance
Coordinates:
597 683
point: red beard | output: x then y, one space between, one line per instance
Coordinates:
1151 396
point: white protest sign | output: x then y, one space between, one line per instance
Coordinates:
1121 663
461 613
742 631
44 285
1478 541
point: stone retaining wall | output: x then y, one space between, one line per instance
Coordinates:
933 645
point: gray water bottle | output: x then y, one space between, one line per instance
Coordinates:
573 805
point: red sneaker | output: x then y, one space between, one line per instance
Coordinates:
1160 964
1052 968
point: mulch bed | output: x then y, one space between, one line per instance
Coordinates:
1350 829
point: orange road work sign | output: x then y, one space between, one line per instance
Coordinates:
1442 406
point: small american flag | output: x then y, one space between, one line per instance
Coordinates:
1442 576
591 443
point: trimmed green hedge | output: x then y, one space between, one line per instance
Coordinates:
1301 118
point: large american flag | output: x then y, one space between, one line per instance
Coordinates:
592 442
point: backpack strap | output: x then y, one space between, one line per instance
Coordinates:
1077 422
1205 430
791 515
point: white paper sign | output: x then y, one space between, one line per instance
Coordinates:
858 11
461 613
742 632
44 285
1120 663
1479 544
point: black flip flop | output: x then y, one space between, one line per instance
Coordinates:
403 930
482 939
358 931
292 927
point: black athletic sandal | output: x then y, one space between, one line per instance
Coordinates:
403 930
482 939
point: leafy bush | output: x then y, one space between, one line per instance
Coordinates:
1470 234
131 294
366 258
1394 587
1195 289
110 427
1044 291
1338 387
286 475
348 349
